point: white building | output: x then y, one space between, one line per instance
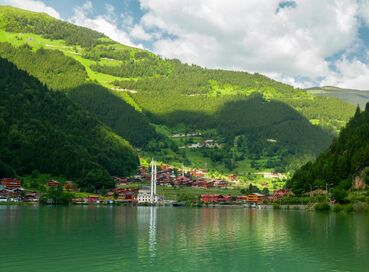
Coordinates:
146 195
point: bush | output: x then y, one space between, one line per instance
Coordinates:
339 194
337 208
322 207
349 208
360 207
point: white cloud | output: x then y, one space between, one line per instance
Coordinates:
364 10
139 33
298 44
106 23
33 5
251 35
351 74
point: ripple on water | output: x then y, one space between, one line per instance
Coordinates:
169 239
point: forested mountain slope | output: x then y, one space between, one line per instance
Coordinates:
355 97
45 131
252 115
346 158
60 72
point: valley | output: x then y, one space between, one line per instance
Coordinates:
256 124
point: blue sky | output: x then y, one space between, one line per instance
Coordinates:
301 42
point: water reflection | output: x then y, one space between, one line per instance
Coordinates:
152 232
174 239
146 219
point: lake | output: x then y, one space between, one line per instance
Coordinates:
93 238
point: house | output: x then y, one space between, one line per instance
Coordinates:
14 193
142 170
93 199
203 183
212 198
242 198
219 183
277 194
272 175
70 186
53 183
138 178
195 146
78 200
165 168
164 178
255 198
232 177
11 183
120 181
198 173
31 197
124 194
182 180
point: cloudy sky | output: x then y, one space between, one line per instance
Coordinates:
301 42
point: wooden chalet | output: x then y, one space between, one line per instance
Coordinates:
255 198
53 183
11 183
213 198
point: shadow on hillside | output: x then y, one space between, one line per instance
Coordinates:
259 120
123 118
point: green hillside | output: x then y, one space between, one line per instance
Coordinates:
346 158
63 73
45 131
258 123
355 97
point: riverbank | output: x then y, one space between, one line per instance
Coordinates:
316 207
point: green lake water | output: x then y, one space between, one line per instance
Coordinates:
179 239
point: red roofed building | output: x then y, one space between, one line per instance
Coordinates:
11 183
203 183
125 194
242 198
219 183
93 199
182 180
53 183
216 198
277 194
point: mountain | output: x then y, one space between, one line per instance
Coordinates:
352 96
257 122
45 131
347 157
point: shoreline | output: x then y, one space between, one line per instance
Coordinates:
338 208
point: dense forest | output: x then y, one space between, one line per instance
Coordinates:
45 131
17 20
347 157
63 73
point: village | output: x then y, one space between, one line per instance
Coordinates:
141 189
